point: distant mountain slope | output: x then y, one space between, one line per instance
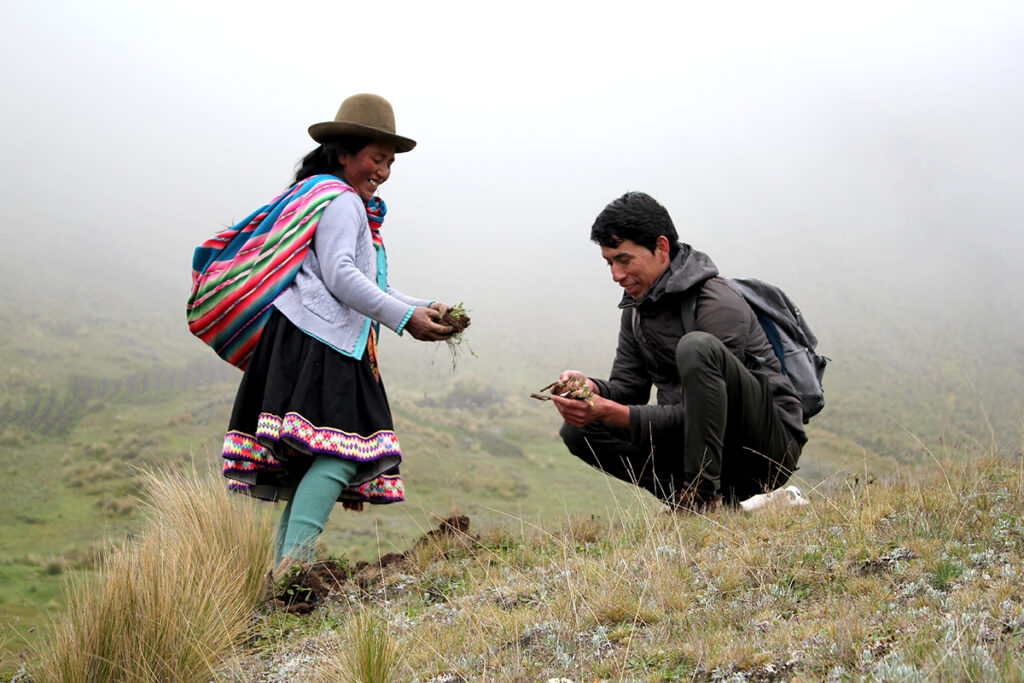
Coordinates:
99 375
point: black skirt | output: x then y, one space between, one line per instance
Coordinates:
301 398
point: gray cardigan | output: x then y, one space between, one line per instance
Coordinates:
342 288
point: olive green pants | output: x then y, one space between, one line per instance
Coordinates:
730 439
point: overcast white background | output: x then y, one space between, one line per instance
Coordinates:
878 141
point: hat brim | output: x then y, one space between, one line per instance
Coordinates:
322 132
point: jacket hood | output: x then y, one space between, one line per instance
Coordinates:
689 268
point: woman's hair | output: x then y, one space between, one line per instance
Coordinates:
637 217
324 159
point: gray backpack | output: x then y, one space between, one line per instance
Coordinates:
791 338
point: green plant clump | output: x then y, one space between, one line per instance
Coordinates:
458 318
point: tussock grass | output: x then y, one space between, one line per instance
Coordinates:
918 576
172 603
914 577
366 652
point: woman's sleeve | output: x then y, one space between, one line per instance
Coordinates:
412 301
335 241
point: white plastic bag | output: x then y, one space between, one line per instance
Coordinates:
786 497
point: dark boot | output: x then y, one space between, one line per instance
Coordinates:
688 501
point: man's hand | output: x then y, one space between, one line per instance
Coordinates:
423 325
571 374
577 411
581 412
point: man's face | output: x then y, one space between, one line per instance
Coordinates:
636 268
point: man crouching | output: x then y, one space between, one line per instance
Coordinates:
728 423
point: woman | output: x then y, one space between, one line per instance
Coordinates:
311 422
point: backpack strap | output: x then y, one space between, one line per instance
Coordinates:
771 331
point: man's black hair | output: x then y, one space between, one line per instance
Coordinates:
324 159
634 216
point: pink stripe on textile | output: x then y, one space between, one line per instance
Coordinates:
206 326
229 297
383 489
328 440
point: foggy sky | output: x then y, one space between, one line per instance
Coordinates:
880 141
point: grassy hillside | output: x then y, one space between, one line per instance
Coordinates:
914 577
98 379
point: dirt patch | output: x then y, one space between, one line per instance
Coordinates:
454 527
305 586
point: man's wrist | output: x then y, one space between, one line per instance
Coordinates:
613 413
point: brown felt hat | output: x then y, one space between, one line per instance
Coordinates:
367 115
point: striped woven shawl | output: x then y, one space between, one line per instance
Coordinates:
237 275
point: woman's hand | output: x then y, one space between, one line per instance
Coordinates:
440 307
423 325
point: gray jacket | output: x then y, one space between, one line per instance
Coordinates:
722 312
342 288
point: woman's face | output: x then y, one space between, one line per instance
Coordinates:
367 169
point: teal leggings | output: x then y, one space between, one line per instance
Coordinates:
304 517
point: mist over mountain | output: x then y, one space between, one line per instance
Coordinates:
866 158
867 161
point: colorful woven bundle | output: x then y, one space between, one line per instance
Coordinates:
237 275
375 210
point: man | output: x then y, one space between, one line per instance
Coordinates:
727 424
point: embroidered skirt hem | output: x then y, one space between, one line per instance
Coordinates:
298 399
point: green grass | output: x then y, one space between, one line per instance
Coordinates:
75 497
860 584
366 652
93 387
914 575
173 602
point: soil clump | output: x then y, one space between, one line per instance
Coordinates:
307 585
456 318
